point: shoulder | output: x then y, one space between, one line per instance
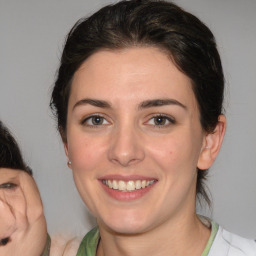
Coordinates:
64 245
229 244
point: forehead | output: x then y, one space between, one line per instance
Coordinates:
8 172
145 71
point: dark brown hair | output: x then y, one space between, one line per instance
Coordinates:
189 43
10 155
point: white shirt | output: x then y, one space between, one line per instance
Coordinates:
228 244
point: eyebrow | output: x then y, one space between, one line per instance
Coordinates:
160 102
142 105
93 102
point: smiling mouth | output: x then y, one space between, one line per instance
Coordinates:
128 186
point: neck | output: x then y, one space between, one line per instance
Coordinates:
180 236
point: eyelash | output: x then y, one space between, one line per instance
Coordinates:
8 185
102 120
165 118
87 119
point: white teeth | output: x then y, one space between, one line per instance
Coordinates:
115 184
110 185
128 186
121 185
138 184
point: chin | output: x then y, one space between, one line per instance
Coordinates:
125 228
126 224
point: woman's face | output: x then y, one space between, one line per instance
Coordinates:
134 139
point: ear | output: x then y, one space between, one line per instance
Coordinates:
212 144
67 154
65 143
66 148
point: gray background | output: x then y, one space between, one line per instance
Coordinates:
31 38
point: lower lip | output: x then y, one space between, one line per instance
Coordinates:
127 196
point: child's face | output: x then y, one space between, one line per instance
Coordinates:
22 221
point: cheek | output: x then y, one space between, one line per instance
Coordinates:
168 151
176 156
82 154
85 160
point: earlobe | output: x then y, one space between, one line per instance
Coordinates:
67 154
212 144
65 143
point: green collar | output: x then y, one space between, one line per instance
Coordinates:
214 230
89 243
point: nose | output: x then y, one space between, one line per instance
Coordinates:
126 147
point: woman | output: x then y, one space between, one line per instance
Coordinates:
22 222
138 99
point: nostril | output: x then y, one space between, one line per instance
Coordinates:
126 161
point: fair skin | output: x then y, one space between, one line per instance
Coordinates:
133 119
22 219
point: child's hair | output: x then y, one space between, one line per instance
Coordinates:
10 154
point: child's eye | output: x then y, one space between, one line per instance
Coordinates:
8 185
161 120
95 120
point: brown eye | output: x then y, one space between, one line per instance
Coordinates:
8 185
160 120
95 120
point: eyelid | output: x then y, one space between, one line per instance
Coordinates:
85 119
169 118
8 185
